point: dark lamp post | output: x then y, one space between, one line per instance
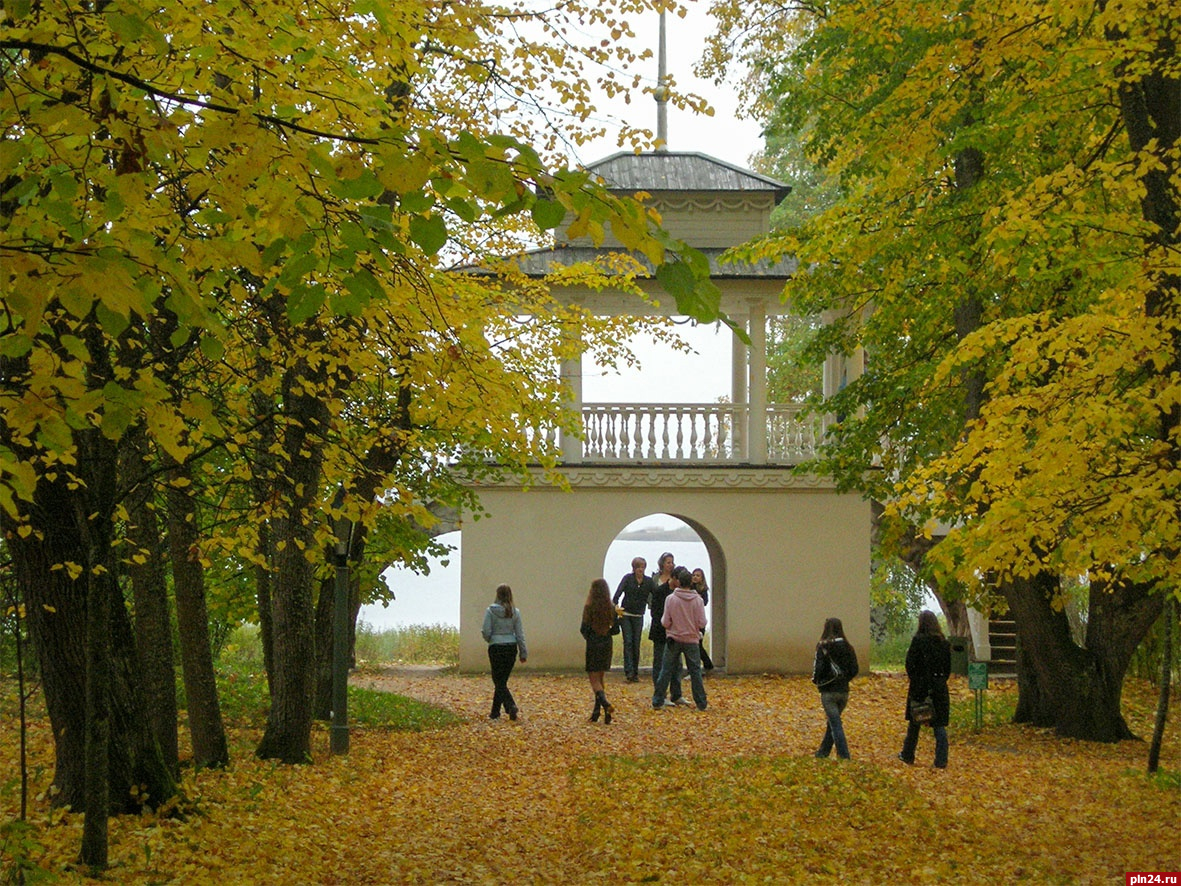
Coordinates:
340 639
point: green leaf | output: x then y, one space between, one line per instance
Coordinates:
113 322
360 289
416 201
468 210
354 237
212 347
363 187
15 345
430 233
303 303
128 27
548 214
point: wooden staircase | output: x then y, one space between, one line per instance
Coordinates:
1002 637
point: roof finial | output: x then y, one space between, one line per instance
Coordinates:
661 93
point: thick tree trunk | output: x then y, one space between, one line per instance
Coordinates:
153 622
289 725
56 605
1075 690
147 571
210 749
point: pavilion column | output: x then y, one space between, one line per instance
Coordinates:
757 416
738 396
570 372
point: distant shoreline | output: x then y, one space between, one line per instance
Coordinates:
681 533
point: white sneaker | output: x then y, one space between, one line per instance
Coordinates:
683 702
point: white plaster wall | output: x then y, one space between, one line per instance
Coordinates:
794 556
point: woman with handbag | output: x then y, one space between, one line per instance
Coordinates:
928 663
834 667
600 621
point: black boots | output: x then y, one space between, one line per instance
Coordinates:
606 706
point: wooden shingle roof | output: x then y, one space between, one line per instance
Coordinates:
682 171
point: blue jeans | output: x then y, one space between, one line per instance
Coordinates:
633 631
670 673
834 733
911 742
659 647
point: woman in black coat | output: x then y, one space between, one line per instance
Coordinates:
600 622
928 663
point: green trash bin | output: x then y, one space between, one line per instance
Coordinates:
959 655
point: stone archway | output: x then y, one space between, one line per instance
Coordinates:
630 541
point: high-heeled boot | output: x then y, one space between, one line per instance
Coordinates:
608 708
598 705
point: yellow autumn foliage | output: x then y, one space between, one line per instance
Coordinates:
731 795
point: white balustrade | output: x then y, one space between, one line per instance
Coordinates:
689 432
791 437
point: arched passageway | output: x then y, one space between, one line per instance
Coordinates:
692 546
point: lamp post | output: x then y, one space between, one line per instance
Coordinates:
339 731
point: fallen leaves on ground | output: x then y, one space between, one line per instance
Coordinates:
730 795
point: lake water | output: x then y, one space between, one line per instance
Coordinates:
434 599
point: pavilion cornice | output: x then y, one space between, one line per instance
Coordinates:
668 476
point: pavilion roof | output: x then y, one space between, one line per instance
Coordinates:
681 171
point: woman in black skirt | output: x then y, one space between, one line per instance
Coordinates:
600 622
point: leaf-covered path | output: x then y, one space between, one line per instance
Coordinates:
731 795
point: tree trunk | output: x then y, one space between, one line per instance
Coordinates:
1166 679
324 618
56 606
210 749
912 550
153 622
266 628
289 724
1075 690
97 781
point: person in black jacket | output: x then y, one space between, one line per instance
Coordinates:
834 667
928 662
698 584
600 623
635 590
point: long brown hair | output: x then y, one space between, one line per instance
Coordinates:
599 612
833 629
929 624
504 596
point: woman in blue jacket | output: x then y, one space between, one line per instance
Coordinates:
505 637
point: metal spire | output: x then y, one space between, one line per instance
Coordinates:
661 93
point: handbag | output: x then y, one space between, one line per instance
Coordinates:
834 672
922 712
